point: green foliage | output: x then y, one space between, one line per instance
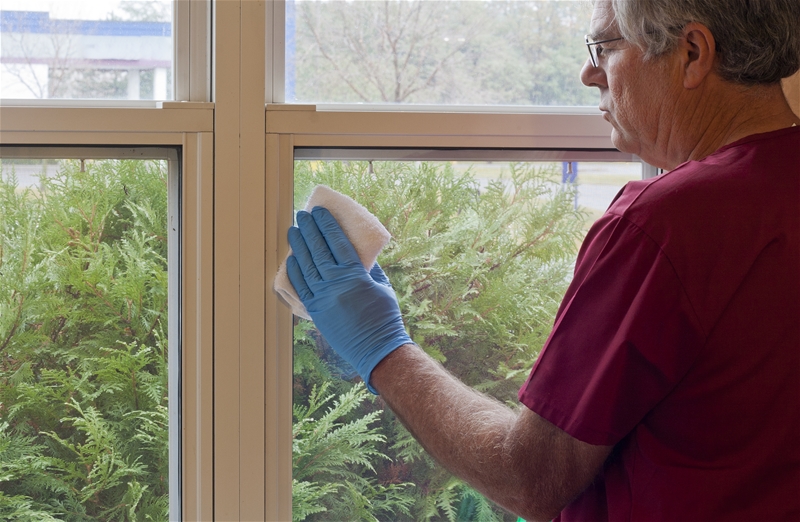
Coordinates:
332 457
83 319
479 270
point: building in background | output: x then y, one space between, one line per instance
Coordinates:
43 58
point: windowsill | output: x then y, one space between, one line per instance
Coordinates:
81 103
392 107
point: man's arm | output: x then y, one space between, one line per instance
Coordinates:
517 459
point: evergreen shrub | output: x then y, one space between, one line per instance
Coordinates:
83 344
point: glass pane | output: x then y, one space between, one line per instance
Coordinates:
98 49
480 257
486 52
84 417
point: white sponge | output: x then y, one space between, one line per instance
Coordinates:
367 234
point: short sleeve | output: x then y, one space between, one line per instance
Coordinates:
624 336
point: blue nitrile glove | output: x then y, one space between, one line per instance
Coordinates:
355 311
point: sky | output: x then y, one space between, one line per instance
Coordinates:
67 9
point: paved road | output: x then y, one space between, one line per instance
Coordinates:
597 197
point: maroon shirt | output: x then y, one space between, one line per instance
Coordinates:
678 342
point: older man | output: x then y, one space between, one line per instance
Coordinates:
669 388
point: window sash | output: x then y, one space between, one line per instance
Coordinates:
174 268
276 82
110 133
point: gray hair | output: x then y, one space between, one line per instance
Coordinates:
758 41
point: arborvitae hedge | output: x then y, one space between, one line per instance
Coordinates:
83 344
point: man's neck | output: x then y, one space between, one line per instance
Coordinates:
739 113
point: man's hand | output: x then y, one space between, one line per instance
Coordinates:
355 311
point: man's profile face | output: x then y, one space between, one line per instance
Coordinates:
633 92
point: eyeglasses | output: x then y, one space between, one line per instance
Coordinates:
594 51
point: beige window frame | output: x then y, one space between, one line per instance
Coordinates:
190 129
348 126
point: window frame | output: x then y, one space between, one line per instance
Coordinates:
290 126
305 126
170 154
188 132
187 126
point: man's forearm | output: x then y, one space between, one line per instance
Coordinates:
459 427
474 436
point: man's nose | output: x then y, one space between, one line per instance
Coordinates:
592 76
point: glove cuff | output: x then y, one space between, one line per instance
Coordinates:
368 364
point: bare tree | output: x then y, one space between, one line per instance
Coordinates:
388 51
54 48
441 51
142 11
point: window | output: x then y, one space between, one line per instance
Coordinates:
458 52
352 131
98 50
89 384
102 137
100 47
472 235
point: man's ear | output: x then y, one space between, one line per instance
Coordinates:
698 53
